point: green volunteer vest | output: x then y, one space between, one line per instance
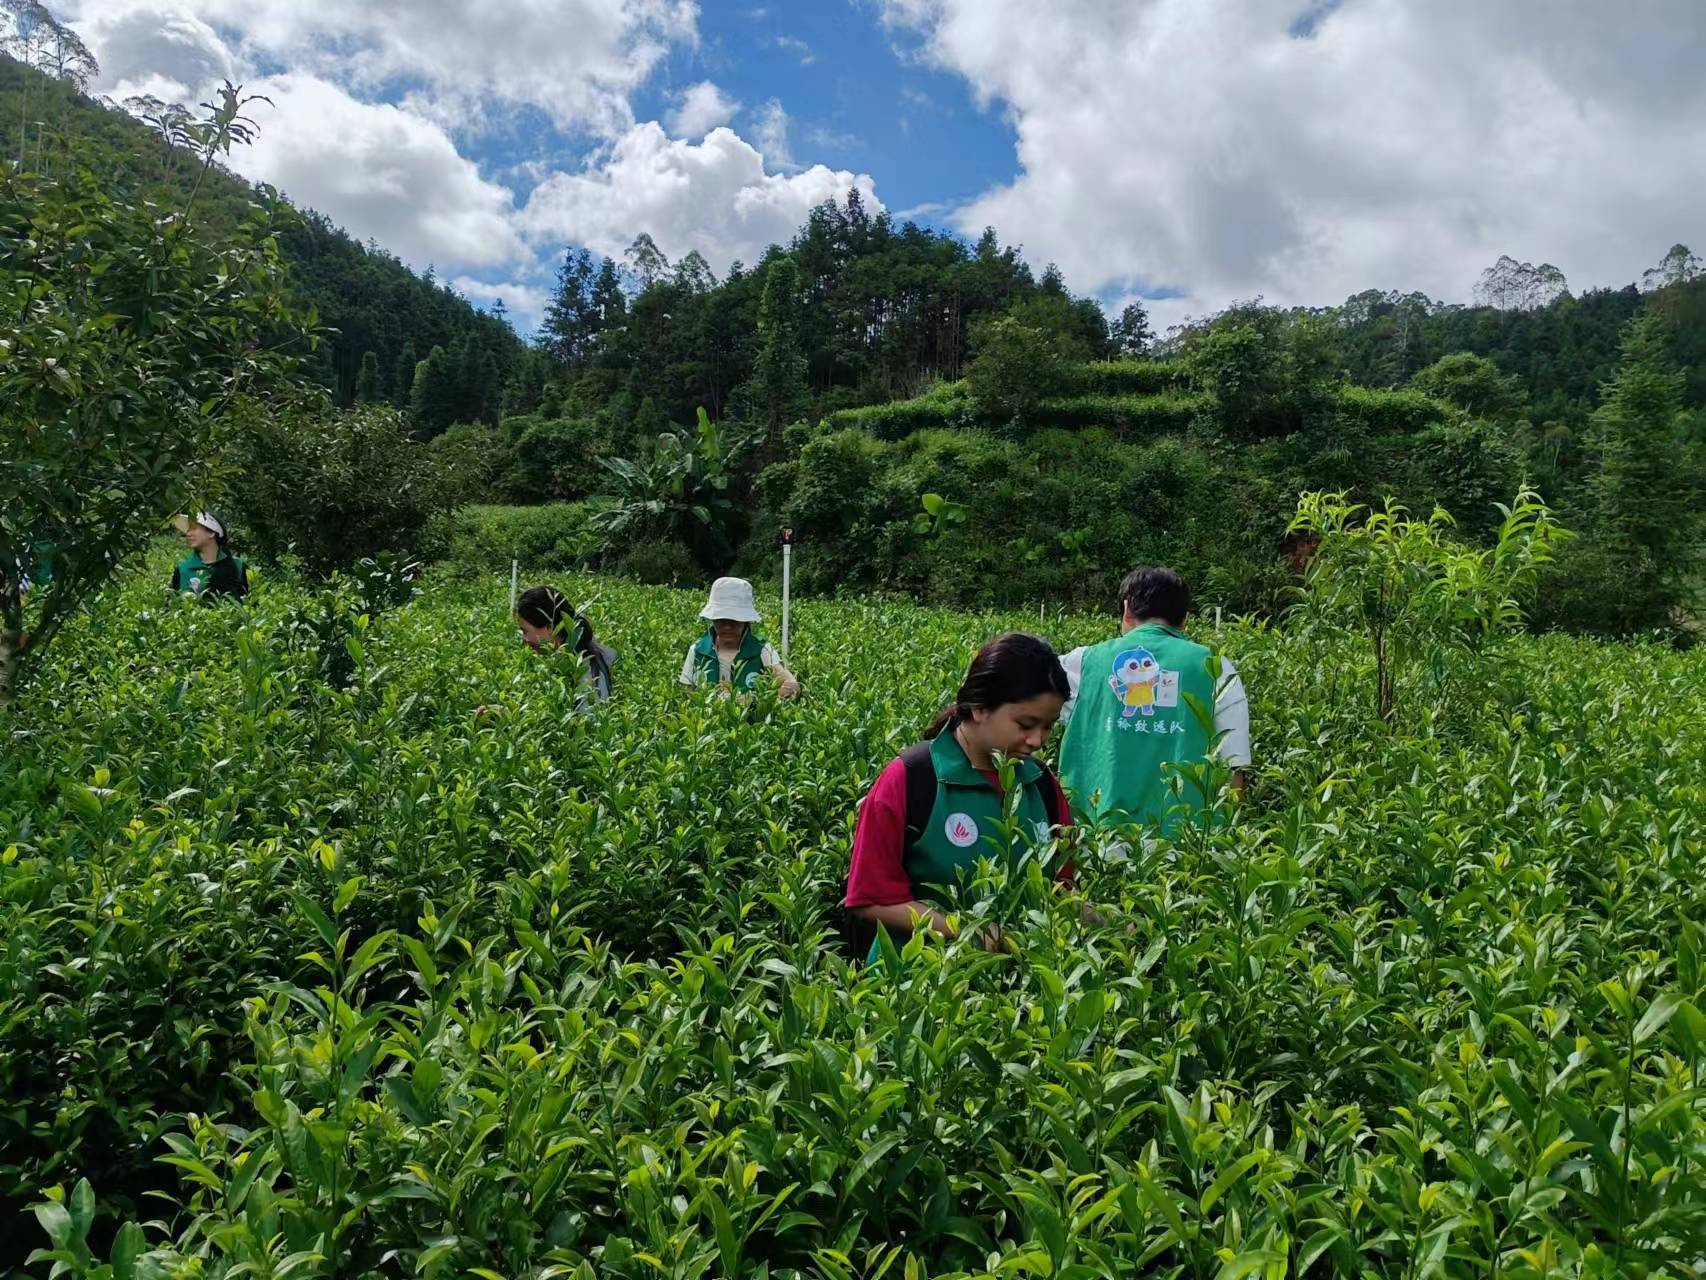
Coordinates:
1134 719
743 671
196 574
962 820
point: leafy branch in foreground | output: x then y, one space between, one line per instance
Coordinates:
1417 594
125 337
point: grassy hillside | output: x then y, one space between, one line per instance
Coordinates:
368 299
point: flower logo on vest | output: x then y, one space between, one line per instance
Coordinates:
961 830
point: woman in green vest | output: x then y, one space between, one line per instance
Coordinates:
729 654
210 571
928 817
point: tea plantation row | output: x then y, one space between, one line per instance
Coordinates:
308 972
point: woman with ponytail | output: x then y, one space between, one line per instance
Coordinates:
924 823
548 621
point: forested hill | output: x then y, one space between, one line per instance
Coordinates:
369 299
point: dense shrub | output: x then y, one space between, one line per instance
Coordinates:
555 459
473 458
327 488
1129 377
1377 410
947 404
553 535
660 564
1139 415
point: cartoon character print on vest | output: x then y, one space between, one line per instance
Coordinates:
1136 681
744 671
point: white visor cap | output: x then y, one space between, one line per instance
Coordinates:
182 524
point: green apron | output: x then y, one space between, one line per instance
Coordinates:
743 671
965 816
227 575
1145 706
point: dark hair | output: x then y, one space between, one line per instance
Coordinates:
1015 667
549 607
1156 592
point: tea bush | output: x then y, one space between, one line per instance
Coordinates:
362 985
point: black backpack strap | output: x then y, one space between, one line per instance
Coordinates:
920 789
1059 814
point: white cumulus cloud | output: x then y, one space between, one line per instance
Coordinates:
1305 151
524 302
576 60
378 171
714 196
702 108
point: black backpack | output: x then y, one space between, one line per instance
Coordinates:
857 932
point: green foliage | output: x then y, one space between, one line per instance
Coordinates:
433 395
126 333
1647 516
678 490
947 404
778 388
555 459
552 535
474 461
1018 365
365 298
1375 410
1268 372
1473 384
1420 598
355 984
326 488
660 564
1129 377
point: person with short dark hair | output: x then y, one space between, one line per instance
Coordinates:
210 571
925 821
548 621
1130 720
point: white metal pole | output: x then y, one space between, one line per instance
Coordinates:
514 579
787 580
1217 617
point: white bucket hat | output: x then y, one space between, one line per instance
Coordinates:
182 524
731 598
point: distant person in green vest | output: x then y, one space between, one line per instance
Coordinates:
209 571
1131 720
925 822
730 654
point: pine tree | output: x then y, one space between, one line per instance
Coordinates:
570 319
367 385
1131 334
609 304
468 395
1647 518
778 389
432 402
403 383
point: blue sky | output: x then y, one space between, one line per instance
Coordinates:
861 97
1187 152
